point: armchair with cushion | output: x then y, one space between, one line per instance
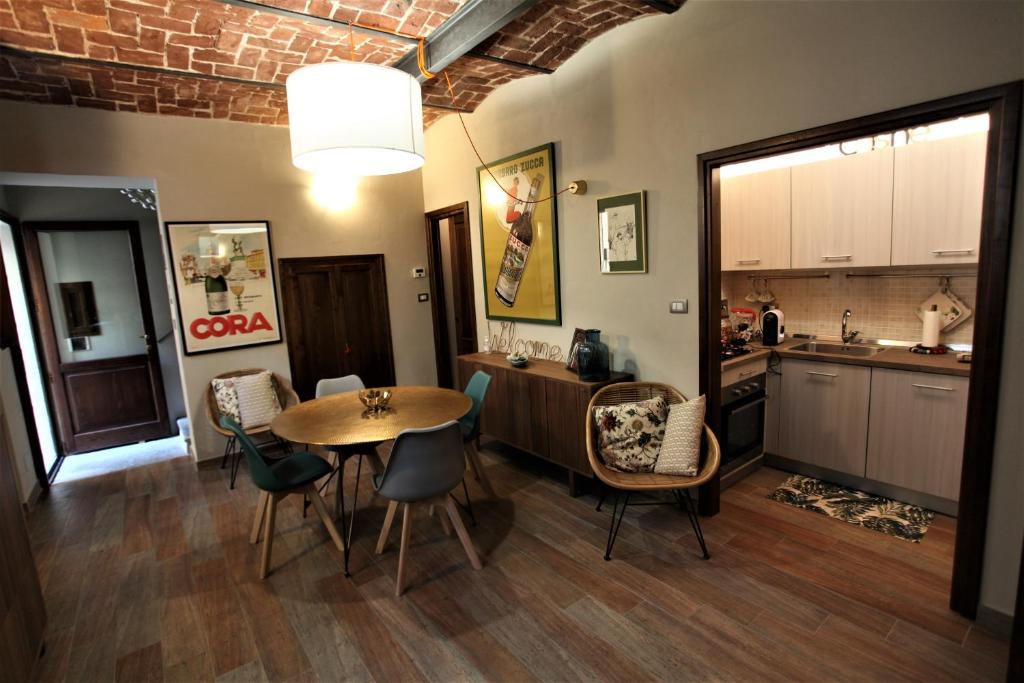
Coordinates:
286 398
648 482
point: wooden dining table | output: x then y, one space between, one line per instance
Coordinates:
342 424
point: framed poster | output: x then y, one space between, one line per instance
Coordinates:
622 233
519 239
224 282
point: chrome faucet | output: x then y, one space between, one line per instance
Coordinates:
848 337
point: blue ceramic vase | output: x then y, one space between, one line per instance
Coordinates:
592 358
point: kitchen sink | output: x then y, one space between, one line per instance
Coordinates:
838 349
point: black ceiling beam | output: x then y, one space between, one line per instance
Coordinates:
473 23
509 62
324 21
86 61
665 6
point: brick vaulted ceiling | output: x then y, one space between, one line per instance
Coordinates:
216 59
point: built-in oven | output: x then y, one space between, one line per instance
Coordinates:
742 422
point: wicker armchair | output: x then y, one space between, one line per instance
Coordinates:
647 482
285 396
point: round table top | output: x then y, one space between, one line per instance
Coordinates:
342 420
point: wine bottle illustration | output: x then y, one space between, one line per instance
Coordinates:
216 291
517 249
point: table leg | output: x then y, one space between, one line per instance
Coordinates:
573 485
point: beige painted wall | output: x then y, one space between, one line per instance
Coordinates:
212 170
717 74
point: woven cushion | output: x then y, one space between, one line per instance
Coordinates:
680 450
257 400
227 398
630 434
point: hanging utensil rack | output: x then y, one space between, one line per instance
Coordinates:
945 279
821 276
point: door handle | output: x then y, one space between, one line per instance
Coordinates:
748 372
837 257
932 386
943 252
750 405
822 374
748 261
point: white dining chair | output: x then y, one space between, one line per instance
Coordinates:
339 385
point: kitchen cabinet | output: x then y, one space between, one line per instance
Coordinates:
773 410
842 211
916 433
756 221
824 418
937 196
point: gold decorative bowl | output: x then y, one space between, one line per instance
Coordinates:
375 399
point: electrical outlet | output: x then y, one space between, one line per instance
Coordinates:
679 306
422 297
418 273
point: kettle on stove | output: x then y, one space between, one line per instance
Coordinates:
773 327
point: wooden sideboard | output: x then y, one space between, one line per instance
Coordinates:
539 409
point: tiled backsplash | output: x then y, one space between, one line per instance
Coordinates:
883 308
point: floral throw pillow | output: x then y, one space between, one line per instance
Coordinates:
227 398
629 435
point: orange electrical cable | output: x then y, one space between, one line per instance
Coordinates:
421 60
451 93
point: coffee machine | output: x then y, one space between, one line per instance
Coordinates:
773 327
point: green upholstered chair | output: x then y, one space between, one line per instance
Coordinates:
476 389
294 474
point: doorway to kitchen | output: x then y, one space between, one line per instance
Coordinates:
1001 104
450 269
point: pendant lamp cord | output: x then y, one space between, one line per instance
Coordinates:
451 94
421 62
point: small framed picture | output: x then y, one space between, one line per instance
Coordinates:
577 337
622 232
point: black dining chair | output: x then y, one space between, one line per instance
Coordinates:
425 466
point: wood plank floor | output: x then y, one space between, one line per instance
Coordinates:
148 575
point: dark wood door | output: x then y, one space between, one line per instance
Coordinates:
461 276
337 320
105 385
462 283
22 611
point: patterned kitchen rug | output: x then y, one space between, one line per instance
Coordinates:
892 517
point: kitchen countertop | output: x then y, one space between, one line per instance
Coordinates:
892 357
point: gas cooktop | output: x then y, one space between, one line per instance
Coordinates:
730 351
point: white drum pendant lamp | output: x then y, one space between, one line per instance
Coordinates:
361 119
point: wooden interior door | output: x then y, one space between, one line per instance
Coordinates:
462 328
337 320
22 611
110 393
462 283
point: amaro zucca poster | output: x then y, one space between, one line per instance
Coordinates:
519 237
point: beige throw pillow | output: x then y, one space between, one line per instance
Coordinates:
680 450
257 400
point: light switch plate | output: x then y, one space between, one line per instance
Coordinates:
679 306
417 273
422 297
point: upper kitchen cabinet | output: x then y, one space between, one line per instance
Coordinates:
755 221
937 201
842 211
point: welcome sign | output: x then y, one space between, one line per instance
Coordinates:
224 281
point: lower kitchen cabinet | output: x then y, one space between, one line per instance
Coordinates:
824 414
773 410
916 434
